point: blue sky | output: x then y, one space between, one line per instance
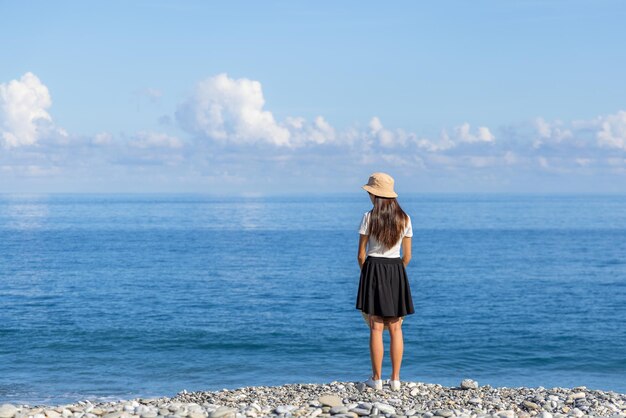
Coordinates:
278 97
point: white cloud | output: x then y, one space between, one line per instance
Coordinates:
30 170
231 110
442 144
323 131
395 159
612 131
145 139
301 132
480 161
485 135
593 135
550 132
543 128
583 162
464 134
24 116
102 138
387 138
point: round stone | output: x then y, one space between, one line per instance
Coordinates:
330 400
385 408
530 405
444 413
7 411
340 409
506 414
223 411
285 409
51 413
316 412
469 384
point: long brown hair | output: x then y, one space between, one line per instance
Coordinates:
387 221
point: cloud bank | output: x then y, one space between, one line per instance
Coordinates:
225 126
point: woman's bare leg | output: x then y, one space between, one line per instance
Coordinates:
397 346
376 345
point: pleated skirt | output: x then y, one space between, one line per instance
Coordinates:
384 288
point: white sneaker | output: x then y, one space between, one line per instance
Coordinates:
374 384
395 384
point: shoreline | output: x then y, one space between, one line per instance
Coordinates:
348 399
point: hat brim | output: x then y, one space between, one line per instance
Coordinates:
378 192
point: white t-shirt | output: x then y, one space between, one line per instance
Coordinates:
375 248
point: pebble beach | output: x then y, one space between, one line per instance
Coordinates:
349 399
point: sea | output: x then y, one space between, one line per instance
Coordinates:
117 296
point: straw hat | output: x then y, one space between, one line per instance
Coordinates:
380 184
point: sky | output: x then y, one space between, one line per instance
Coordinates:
278 97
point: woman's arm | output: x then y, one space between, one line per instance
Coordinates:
406 250
362 249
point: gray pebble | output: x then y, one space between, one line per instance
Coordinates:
7 410
223 411
330 400
346 400
469 384
340 409
506 414
530 405
285 409
384 408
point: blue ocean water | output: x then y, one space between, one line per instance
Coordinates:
117 296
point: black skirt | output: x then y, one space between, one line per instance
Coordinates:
384 288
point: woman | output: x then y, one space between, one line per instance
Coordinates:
384 295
